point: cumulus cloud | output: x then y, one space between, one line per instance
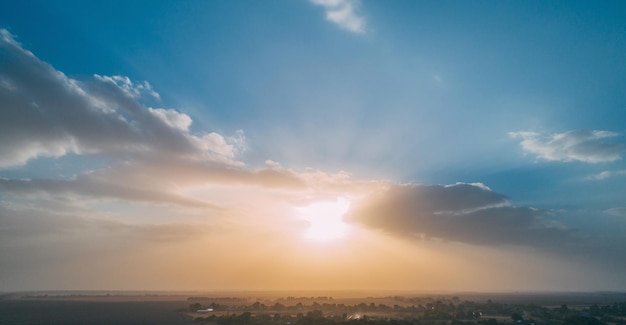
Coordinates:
577 145
45 113
172 118
343 13
468 213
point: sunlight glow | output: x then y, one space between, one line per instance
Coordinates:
325 219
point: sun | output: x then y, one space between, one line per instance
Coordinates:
325 220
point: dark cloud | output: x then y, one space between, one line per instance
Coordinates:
468 213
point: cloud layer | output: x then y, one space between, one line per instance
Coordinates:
577 145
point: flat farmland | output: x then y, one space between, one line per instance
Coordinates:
35 311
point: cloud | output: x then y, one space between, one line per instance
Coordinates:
41 224
467 213
172 118
45 113
87 186
343 13
182 186
620 212
606 174
134 90
576 145
161 181
165 181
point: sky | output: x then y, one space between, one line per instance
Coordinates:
313 145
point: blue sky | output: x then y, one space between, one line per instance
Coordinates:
381 103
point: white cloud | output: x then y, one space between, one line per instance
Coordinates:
215 142
606 174
577 145
620 212
479 185
172 118
46 113
134 90
272 164
343 13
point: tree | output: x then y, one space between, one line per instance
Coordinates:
582 320
517 317
244 318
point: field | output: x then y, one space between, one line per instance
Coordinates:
174 309
92 311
